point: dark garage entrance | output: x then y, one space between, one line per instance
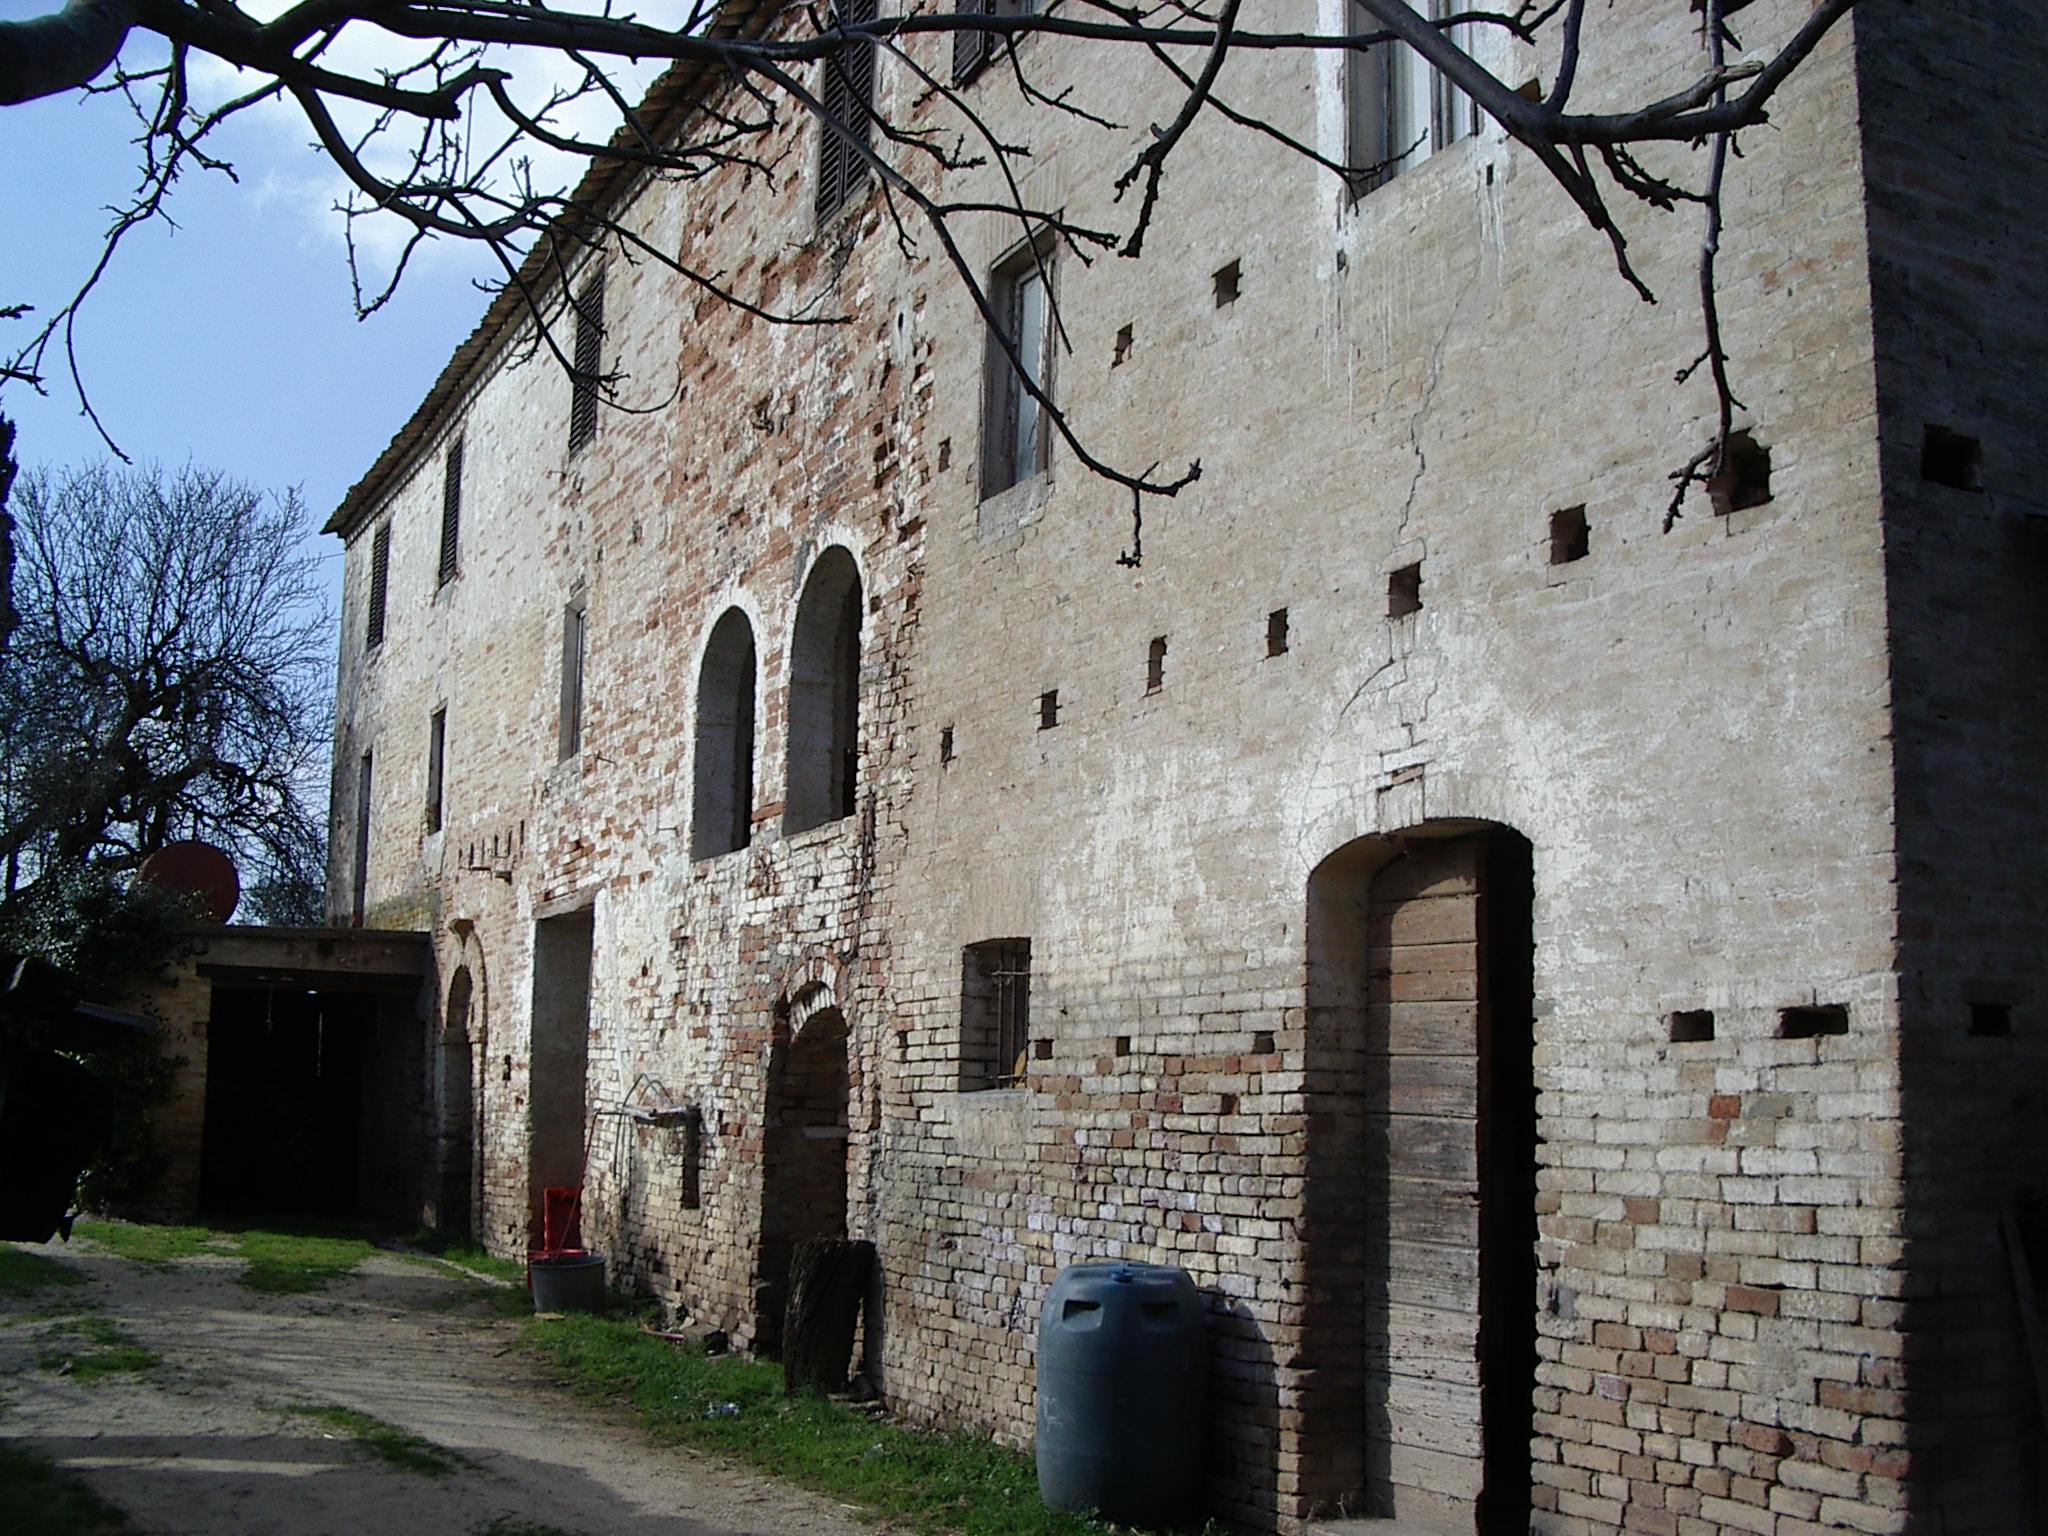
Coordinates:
318 1075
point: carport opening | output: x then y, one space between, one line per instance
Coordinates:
300 1086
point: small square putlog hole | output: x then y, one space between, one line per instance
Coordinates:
1276 632
1262 1043
1951 459
1689 1026
1229 282
1744 477
1808 1023
1123 1045
1993 1020
1404 591
1048 709
1569 537
1121 353
1155 664
1041 1050
946 753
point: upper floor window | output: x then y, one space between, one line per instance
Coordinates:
824 695
846 90
380 586
587 361
971 50
437 765
451 512
1014 442
1400 109
722 805
574 623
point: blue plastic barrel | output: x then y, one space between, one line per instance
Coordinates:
1123 1395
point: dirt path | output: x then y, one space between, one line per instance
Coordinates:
206 1442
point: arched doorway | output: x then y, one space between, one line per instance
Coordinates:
803 1153
454 1206
1419 1339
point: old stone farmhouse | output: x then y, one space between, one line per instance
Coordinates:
1570 992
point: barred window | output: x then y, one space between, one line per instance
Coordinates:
995 1012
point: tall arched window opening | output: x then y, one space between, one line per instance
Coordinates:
722 807
824 695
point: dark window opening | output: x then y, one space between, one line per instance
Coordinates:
380 587
1276 632
586 377
1744 477
846 90
995 1012
690 1147
1155 664
569 739
946 744
1569 537
1229 283
451 513
824 696
437 754
359 885
722 797
1015 445
1809 1022
1991 1019
1121 353
1692 1025
1404 591
1048 709
1951 459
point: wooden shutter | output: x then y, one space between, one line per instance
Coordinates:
380 586
846 90
451 512
589 361
971 50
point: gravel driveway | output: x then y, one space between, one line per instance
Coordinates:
207 1440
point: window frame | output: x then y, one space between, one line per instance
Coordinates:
1007 460
1376 129
575 657
995 1014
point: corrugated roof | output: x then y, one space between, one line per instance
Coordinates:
667 104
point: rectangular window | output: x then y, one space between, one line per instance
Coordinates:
995 1012
1400 109
1014 442
971 50
589 362
437 756
451 512
359 892
573 623
380 587
846 90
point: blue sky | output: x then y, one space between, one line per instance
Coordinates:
230 341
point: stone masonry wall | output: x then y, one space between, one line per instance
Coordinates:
1691 728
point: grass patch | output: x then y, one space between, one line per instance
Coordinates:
38 1500
395 1447
737 1407
283 1262
279 1260
467 1256
89 1347
153 1245
22 1272
505 1525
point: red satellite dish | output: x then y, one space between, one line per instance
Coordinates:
198 870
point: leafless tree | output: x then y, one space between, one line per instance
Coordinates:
406 136
168 677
